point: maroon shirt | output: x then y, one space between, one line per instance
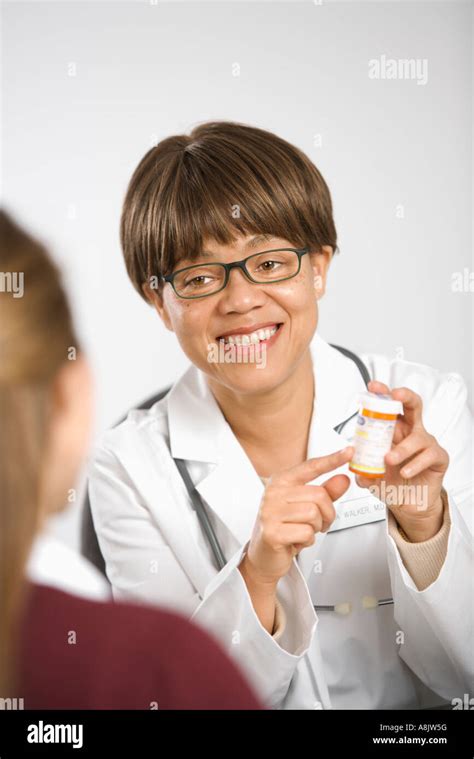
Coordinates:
126 656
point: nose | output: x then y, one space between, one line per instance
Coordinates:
240 294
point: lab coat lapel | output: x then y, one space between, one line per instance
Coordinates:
199 432
140 455
233 489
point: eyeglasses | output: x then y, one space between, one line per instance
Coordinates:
270 266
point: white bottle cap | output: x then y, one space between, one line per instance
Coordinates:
384 404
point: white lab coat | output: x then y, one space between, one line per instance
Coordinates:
53 563
156 552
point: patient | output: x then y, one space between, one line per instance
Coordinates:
57 650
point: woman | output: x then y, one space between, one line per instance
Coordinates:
57 650
262 438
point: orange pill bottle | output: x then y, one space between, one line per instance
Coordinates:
374 433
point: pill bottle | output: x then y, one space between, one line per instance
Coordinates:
374 433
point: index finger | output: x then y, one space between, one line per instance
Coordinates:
378 387
312 468
412 405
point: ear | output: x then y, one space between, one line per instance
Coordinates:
320 260
155 299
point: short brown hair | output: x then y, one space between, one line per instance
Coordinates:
223 178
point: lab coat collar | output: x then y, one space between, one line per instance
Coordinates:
199 432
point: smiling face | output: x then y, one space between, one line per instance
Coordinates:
278 318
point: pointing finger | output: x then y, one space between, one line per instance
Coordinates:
312 468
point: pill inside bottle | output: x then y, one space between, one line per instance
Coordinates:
374 433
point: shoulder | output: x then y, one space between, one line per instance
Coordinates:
428 381
144 432
143 436
444 393
138 421
124 655
122 626
149 421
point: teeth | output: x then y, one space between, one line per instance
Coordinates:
253 338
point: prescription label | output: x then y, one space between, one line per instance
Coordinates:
372 440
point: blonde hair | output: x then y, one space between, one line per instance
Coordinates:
35 333
223 178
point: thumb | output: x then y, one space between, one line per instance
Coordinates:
364 482
336 486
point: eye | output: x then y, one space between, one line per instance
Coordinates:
268 265
198 281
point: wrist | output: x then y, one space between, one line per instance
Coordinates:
263 586
424 527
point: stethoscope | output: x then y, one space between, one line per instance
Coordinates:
343 609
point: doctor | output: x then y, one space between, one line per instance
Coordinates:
332 595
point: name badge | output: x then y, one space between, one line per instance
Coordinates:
357 511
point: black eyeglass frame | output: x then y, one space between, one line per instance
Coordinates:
235 265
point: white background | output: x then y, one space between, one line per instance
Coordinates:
145 71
